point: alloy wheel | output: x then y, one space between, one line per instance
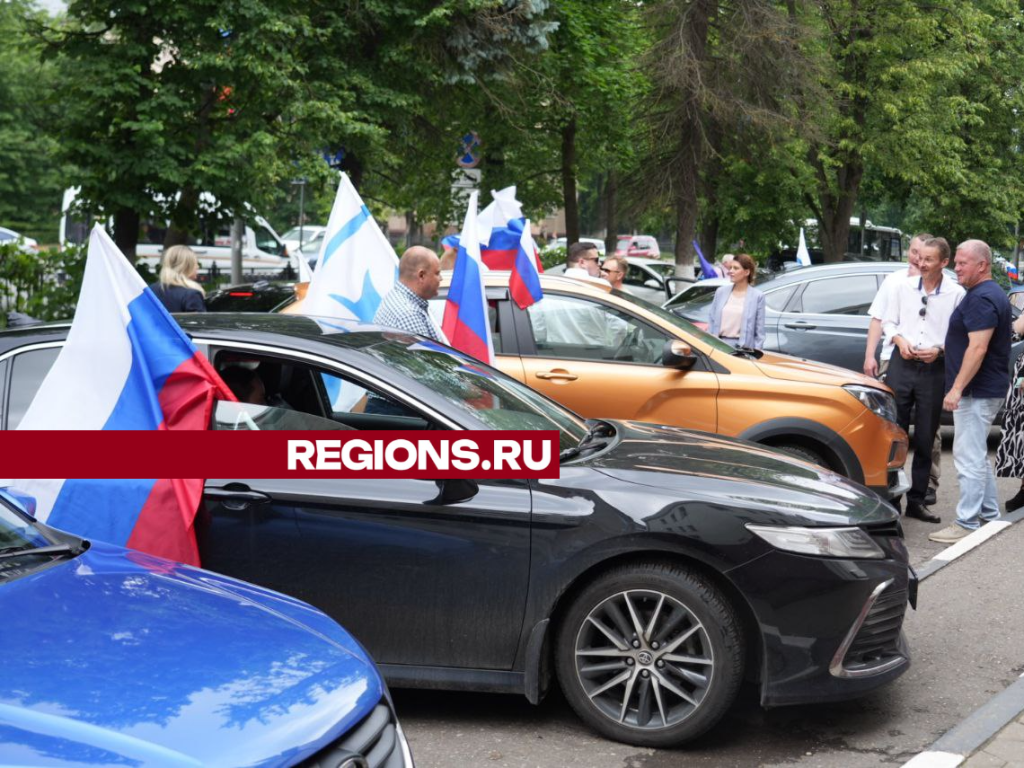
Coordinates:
644 659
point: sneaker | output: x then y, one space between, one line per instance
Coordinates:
930 499
950 534
1016 502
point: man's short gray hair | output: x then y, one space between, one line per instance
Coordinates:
976 248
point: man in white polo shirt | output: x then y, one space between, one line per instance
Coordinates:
874 368
916 319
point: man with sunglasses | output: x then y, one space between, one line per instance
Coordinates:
917 319
614 271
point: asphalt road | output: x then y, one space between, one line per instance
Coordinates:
965 640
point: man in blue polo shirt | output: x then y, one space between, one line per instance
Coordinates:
977 378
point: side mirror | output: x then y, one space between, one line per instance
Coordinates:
454 491
678 354
652 283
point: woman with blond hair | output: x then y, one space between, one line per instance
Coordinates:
177 288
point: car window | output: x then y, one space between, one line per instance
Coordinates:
844 295
266 241
581 329
636 276
27 374
437 312
292 394
778 298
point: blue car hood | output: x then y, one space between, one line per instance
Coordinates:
118 658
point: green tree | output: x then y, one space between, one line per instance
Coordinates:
31 177
924 96
721 74
236 96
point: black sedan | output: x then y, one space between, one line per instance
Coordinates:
662 569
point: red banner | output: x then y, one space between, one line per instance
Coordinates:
270 454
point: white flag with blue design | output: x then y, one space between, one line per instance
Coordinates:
357 265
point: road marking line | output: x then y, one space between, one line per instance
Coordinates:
972 540
934 760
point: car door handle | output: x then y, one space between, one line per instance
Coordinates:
236 496
800 325
199 251
557 375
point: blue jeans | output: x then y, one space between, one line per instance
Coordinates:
971 421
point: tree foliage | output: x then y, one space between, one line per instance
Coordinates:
31 178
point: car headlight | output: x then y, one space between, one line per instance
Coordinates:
822 542
877 401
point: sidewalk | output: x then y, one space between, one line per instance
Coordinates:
1006 750
993 735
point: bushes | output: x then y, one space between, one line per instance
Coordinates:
44 285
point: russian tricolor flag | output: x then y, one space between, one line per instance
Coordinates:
524 285
466 323
126 365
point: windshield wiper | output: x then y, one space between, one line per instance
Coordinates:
593 434
751 354
56 549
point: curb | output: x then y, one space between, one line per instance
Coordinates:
969 542
983 724
976 730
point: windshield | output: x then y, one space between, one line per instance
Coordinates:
623 244
684 325
693 299
497 400
663 268
16 532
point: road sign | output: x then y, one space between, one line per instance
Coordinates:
470 153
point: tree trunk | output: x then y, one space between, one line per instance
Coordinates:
691 152
836 210
686 228
126 231
572 211
709 236
351 165
611 218
237 243
184 210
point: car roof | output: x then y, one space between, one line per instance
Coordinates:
828 270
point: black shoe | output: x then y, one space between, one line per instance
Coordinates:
930 500
1016 502
918 512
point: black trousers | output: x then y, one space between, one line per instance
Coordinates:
919 389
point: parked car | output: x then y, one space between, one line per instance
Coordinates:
263 251
645 278
840 419
816 313
115 657
661 569
642 246
261 296
562 242
26 244
308 232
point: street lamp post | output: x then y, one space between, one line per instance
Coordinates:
301 184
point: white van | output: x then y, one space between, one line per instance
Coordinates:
263 251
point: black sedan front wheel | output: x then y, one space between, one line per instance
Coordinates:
650 654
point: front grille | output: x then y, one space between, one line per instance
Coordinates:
375 739
890 530
877 641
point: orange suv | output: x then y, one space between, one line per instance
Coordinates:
605 353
